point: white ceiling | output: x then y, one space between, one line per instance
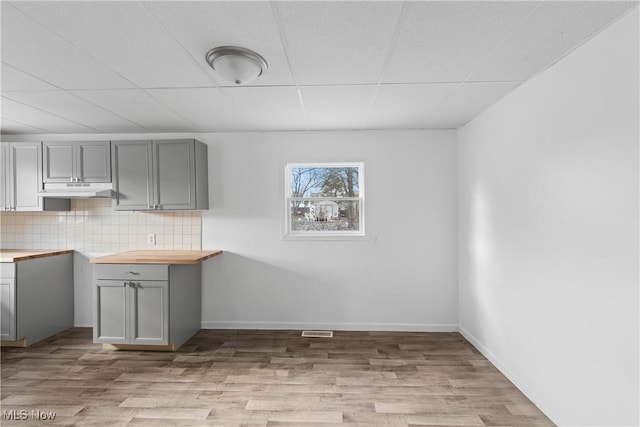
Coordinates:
138 67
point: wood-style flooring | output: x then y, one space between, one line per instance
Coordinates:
263 378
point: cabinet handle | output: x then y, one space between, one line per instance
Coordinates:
135 273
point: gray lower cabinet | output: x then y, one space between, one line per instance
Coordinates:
141 304
21 176
36 298
7 301
160 175
77 161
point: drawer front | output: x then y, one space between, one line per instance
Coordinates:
131 271
7 269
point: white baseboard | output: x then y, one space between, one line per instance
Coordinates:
394 327
518 382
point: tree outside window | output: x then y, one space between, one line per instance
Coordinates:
325 199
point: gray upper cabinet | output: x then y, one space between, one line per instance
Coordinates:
78 161
160 175
4 177
131 171
22 179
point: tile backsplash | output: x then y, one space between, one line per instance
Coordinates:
93 226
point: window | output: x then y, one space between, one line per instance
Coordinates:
324 199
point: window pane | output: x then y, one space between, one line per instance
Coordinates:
325 215
331 182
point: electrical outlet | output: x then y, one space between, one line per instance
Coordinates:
151 239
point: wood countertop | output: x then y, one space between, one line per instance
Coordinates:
156 257
14 255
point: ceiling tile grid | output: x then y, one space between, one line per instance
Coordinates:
338 42
80 67
34 49
446 41
76 109
205 25
553 29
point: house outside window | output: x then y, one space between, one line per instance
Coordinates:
324 200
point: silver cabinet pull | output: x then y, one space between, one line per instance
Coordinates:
135 273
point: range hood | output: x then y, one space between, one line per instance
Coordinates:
77 190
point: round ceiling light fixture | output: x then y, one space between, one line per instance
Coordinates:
236 65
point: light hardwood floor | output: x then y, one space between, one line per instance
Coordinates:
264 378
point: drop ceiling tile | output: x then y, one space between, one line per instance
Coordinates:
39 52
337 107
236 108
9 127
404 106
28 116
72 108
447 41
201 26
554 29
338 42
140 108
125 36
15 79
464 104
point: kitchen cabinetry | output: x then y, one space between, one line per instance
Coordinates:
160 175
21 176
7 301
141 304
148 298
36 298
77 161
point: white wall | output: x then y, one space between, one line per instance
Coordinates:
407 281
548 249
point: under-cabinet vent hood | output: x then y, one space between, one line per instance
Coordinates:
77 190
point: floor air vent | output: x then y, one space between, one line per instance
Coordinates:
318 334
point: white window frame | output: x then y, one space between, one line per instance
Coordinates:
288 234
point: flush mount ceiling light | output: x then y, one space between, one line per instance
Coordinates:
236 65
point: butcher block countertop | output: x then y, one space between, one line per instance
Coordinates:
156 257
14 255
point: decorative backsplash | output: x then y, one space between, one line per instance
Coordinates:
93 226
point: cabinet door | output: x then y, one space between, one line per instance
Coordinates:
4 177
8 308
131 173
149 312
93 161
57 162
25 167
174 174
111 315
